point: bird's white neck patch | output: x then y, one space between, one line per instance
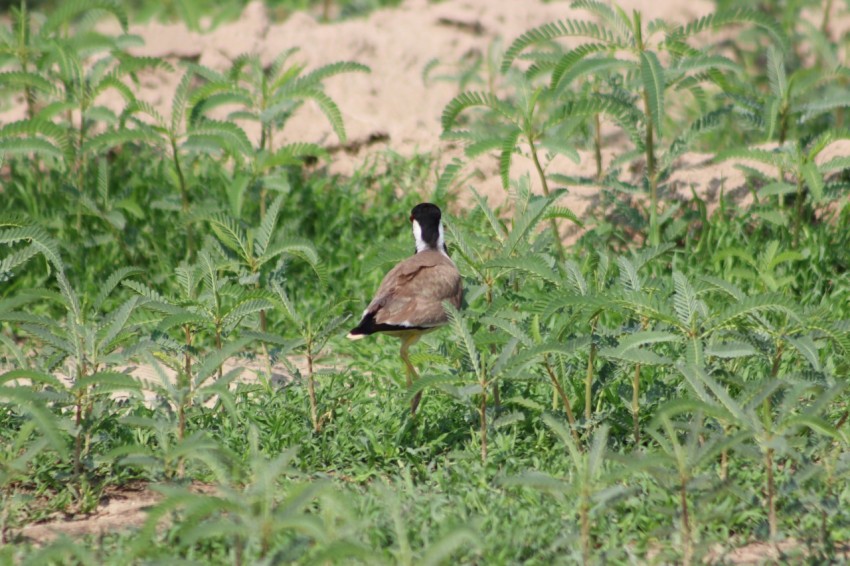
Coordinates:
421 245
441 240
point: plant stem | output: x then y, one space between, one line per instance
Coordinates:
798 216
597 145
186 399
687 557
184 197
482 412
771 495
584 520
654 234
263 345
311 389
78 446
218 347
187 357
636 403
588 378
824 25
567 406
559 245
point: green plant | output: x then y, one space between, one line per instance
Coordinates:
256 247
269 96
797 160
683 463
250 511
590 481
85 348
772 432
314 329
639 114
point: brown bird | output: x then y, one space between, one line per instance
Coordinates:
409 302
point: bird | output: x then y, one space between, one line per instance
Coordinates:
409 300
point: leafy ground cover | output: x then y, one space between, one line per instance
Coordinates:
669 388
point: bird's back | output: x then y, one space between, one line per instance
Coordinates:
413 292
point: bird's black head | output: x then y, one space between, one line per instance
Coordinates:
427 229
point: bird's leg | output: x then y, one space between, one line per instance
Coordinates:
410 372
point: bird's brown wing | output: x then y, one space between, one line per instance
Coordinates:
412 293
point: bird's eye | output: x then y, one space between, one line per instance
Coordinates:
411 218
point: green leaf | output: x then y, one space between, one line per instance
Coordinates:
243 309
29 146
776 73
471 100
548 32
507 150
814 180
35 377
625 114
326 71
107 140
70 10
331 112
653 84
531 264
777 188
231 234
808 349
685 301
446 178
37 237
571 58
767 157
730 350
440 551
722 18
108 382
292 154
22 79
458 323
768 302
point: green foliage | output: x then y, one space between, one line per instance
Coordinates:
603 402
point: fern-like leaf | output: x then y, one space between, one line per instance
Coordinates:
685 300
532 264
231 234
734 16
37 237
769 302
473 99
508 148
555 30
318 75
267 226
292 154
69 10
776 73
654 84
571 58
330 110
814 180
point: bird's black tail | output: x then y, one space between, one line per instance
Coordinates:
368 326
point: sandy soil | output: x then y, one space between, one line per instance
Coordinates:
119 509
